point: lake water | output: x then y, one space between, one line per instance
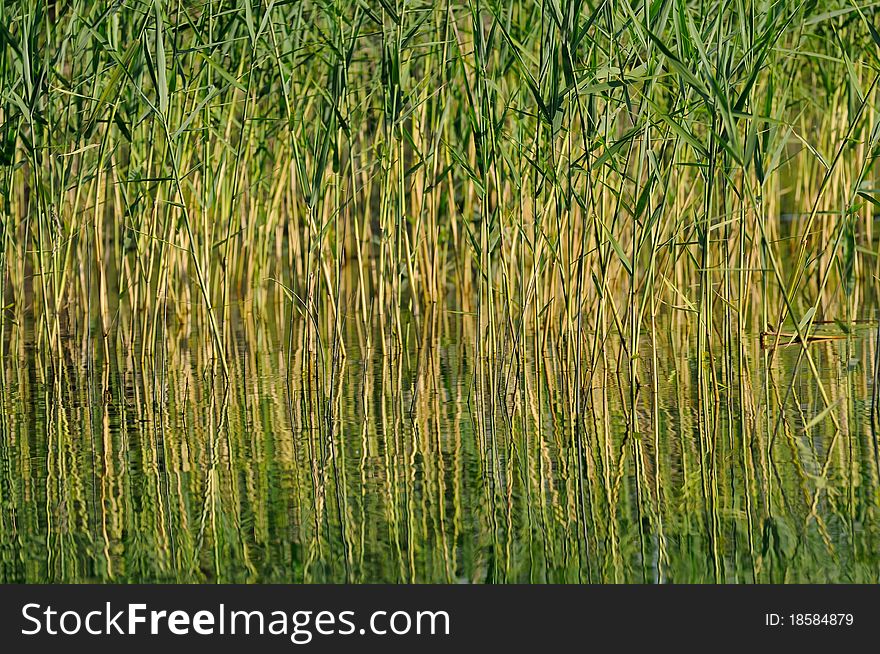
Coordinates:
424 462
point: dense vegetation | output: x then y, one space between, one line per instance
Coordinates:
596 201
584 168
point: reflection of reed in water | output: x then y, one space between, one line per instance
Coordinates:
419 465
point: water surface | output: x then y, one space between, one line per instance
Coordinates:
420 461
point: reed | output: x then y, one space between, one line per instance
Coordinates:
556 166
596 202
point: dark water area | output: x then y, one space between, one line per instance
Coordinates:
428 463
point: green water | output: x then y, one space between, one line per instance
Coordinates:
424 463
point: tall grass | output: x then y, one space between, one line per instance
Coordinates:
572 168
582 182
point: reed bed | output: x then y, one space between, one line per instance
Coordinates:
404 290
572 168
